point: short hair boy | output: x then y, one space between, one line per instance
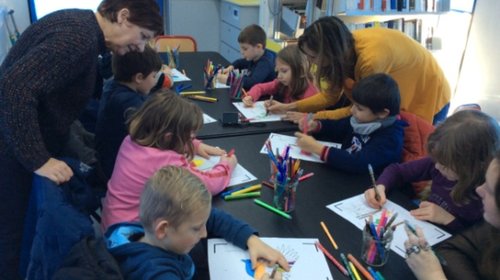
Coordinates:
135 74
175 213
372 135
258 62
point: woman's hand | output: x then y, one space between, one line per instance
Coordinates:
260 250
56 170
204 150
420 258
433 213
247 101
275 107
295 117
370 197
308 143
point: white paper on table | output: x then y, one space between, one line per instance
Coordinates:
240 174
178 76
208 119
356 210
227 261
280 141
257 113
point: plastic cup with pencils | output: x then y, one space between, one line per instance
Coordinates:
285 194
376 246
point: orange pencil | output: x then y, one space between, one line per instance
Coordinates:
360 267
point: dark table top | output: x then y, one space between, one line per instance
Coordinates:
313 195
193 63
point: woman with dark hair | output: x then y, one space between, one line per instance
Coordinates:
45 82
472 254
341 58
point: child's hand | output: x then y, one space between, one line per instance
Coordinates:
275 107
204 150
421 259
277 276
260 250
370 197
222 78
308 143
247 101
312 125
228 69
294 117
231 160
433 213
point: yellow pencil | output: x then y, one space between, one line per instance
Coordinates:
327 232
249 189
203 98
354 271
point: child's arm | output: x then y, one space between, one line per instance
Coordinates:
261 89
370 197
432 212
260 250
308 143
263 72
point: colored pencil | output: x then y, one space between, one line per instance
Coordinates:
327 232
272 209
332 259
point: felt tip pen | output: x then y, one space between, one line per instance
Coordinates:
249 189
354 271
410 227
270 102
332 259
305 177
272 209
268 184
360 267
374 183
192 92
243 195
327 232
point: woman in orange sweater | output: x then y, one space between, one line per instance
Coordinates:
341 58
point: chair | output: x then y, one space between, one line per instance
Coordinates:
164 43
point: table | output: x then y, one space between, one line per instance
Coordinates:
325 187
193 63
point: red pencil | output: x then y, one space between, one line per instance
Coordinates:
334 261
305 177
231 153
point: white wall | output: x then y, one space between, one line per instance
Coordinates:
479 80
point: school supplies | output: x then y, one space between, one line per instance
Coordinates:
203 98
192 92
327 232
307 176
374 183
242 195
332 259
360 267
210 74
235 82
270 102
272 209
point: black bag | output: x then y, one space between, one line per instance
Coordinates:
89 259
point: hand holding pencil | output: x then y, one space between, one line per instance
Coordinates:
370 196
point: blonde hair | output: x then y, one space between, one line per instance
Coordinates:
174 194
465 143
166 121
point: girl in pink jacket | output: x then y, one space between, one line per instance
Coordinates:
293 82
161 133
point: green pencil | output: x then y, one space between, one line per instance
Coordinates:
272 209
242 195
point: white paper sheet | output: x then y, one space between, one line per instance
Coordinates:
227 261
178 76
257 113
220 85
280 141
208 119
240 174
356 210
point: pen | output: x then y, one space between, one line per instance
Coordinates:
370 170
272 209
327 232
391 220
410 227
203 98
270 102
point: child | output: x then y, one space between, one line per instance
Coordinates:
373 135
175 213
459 152
135 74
161 132
257 61
293 81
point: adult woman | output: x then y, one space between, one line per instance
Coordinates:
45 81
472 254
342 58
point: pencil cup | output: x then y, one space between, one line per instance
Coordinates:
375 251
210 81
285 195
273 171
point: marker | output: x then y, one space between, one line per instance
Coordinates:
268 184
354 271
305 177
242 195
247 190
374 183
192 92
272 209
332 259
270 102
327 232
410 227
231 153
346 264
203 98
360 267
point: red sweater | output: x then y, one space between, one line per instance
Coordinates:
271 88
